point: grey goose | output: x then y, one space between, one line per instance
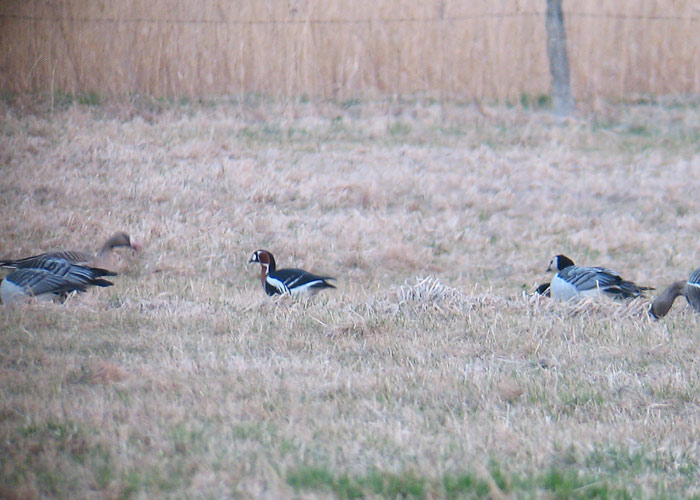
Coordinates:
690 289
104 259
51 278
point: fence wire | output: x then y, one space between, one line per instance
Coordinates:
374 20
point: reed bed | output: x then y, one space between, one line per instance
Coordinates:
448 49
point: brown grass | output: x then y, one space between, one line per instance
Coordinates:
343 49
431 360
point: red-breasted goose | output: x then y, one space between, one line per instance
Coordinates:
283 281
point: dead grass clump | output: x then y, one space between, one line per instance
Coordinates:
603 307
26 491
106 372
509 389
430 294
361 328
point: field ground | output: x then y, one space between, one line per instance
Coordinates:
431 372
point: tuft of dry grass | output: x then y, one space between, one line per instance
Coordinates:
432 371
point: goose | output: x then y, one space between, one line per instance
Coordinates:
543 289
571 281
53 278
690 289
287 281
104 259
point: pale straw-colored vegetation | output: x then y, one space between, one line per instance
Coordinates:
482 49
431 372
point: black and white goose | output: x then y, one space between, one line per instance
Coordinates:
689 289
104 259
287 281
572 281
50 278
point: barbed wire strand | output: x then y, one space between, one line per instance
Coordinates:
108 20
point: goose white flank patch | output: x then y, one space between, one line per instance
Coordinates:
572 281
287 281
689 289
52 278
104 259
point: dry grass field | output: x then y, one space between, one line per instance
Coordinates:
431 372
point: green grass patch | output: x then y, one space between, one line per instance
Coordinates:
580 399
464 486
254 431
349 103
541 101
55 455
102 467
88 98
621 461
8 97
375 483
64 99
570 484
399 129
573 479
171 476
189 439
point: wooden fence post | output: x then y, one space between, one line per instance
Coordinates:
558 59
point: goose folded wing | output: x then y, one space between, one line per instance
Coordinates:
589 278
40 261
37 282
75 274
694 279
286 280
